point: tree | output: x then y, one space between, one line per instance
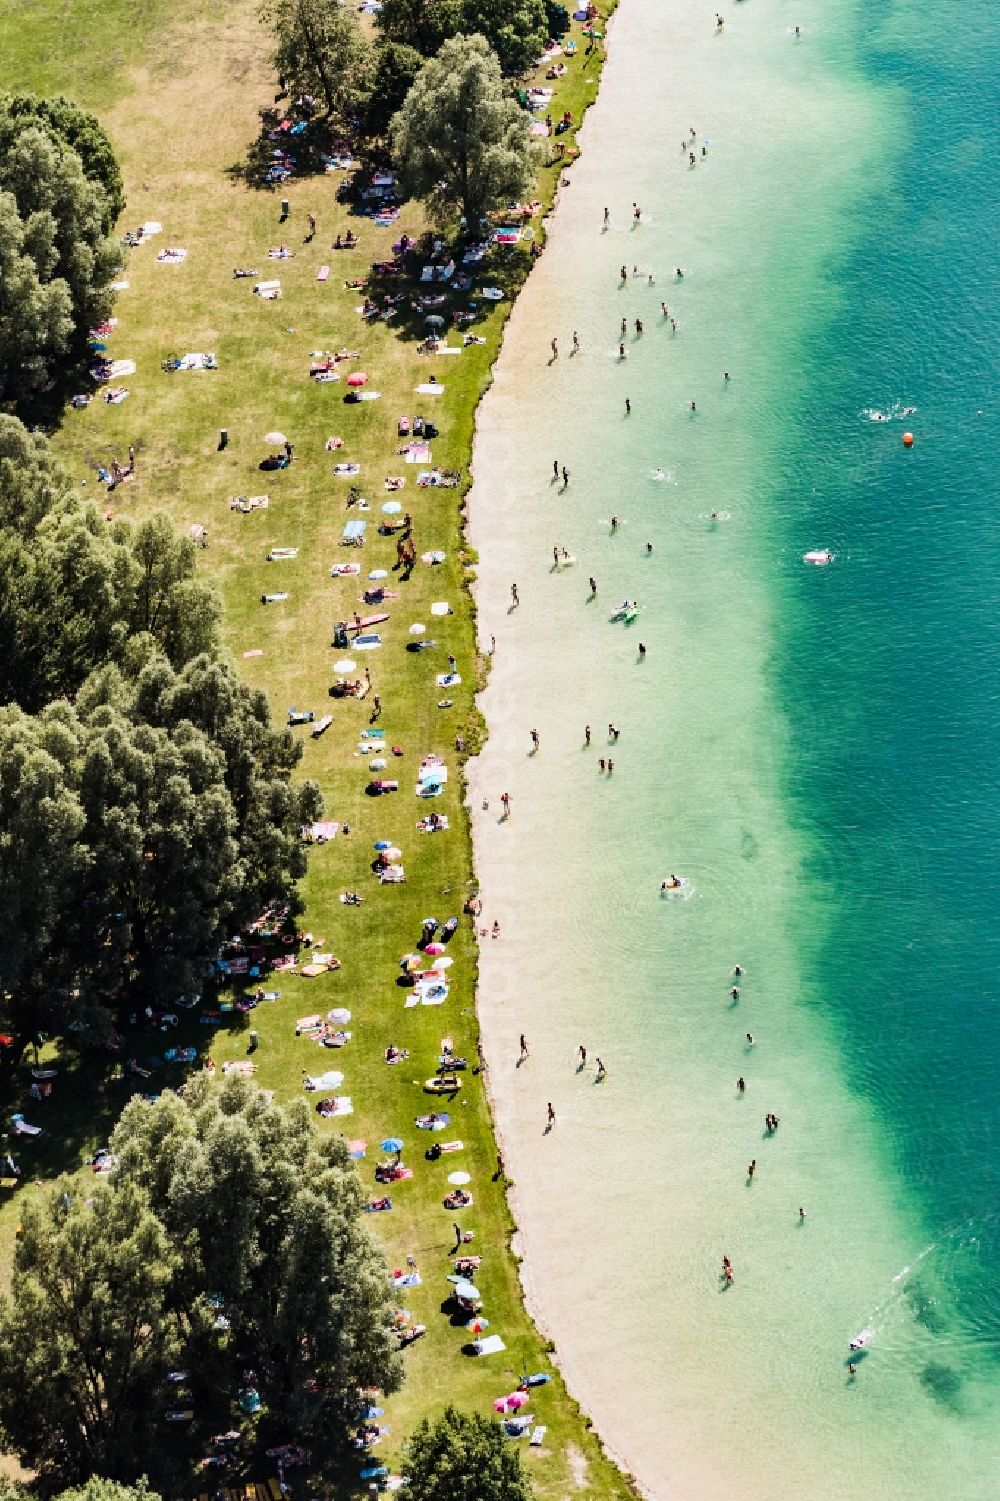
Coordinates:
229 1236
394 68
515 29
460 141
81 132
75 592
465 1457
56 258
139 827
321 51
423 24
99 1489
88 1334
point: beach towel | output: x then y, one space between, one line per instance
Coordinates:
320 832
173 256
405 1279
448 679
418 453
268 290
357 1149
354 534
152 227
336 1106
538 1436
491 1345
430 388
115 395
119 286
240 1066
330 1080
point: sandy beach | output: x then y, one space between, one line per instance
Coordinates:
628 1203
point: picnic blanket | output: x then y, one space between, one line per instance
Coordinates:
174 255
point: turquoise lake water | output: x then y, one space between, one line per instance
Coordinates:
813 749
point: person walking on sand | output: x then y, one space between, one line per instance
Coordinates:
741 1084
505 803
555 468
593 585
524 1046
586 734
551 1114
555 349
611 767
565 476
513 595
624 326
576 342
752 1168
607 217
535 741
628 407
583 1056
602 1072
622 352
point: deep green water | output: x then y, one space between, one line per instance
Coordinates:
888 665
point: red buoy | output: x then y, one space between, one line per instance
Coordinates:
907 440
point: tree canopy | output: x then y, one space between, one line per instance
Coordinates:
394 69
76 128
56 257
460 142
320 51
228 1238
465 1457
515 29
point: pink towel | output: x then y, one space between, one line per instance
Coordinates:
323 273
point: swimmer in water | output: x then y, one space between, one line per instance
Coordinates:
614 525
750 1039
671 884
649 548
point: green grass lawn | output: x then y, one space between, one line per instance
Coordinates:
179 90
